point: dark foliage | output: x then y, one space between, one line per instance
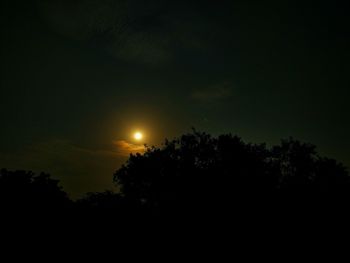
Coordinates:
21 190
199 173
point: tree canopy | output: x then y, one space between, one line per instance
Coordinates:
21 190
205 172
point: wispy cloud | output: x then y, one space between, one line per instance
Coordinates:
80 168
130 30
124 148
214 93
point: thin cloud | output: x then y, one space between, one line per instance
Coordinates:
80 169
130 30
124 148
214 93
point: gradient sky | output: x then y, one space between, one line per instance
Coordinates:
79 76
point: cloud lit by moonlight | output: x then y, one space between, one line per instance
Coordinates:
125 148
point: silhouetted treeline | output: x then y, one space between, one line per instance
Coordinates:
22 190
198 173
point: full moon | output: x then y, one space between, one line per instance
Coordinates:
138 136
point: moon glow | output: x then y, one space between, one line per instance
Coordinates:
138 136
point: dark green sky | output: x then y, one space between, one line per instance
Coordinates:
78 76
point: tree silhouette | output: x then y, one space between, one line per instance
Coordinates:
198 171
22 190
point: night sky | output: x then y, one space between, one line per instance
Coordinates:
78 77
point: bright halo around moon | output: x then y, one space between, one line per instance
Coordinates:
138 136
